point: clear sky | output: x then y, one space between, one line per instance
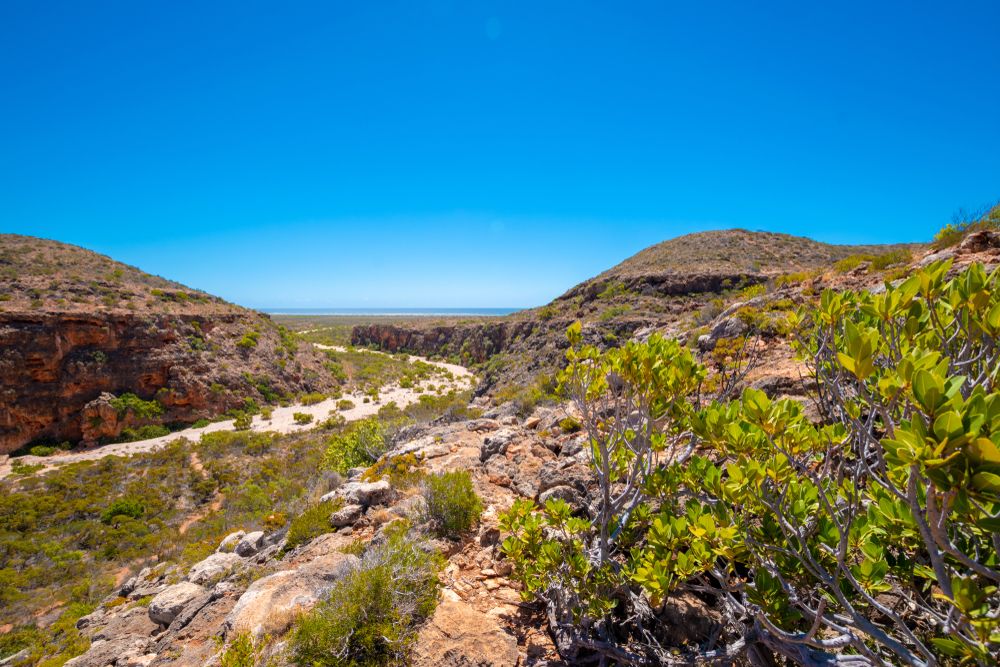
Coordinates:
445 153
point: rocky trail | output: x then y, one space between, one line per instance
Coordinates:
282 419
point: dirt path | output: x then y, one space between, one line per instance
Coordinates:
282 419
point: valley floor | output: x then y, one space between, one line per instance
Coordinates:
282 419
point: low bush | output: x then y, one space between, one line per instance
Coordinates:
140 408
313 398
450 502
147 432
311 523
302 417
243 652
403 471
886 260
752 291
362 445
345 404
249 340
123 507
243 422
370 616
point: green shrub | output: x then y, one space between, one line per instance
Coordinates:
546 313
752 291
403 471
345 404
249 340
312 523
201 423
243 422
362 445
147 432
569 425
243 652
450 502
885 260
313 398
369 617
140 408
850 263
302 417
123 507
266 412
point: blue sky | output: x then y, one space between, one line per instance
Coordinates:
491 154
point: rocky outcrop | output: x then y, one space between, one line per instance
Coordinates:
276 597
60 370
458 636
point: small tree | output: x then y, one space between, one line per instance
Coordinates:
873 540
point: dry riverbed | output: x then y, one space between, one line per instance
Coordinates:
282 419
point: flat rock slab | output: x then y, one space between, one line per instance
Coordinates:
216 565
282 592
459 636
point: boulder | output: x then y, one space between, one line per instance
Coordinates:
483 424
566 493
935 257
364 493
250 544
355 473
286 593
230 541
775 385
456 635
575 476
216 565
980 241
346 516
496 444
729 328
165 607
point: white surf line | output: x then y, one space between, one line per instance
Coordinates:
282 419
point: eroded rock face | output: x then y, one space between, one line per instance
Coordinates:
61 369
165 607
286 592
458 636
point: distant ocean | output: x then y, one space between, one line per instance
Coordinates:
431 312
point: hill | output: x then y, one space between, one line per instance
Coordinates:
680 285
46 275
739 251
